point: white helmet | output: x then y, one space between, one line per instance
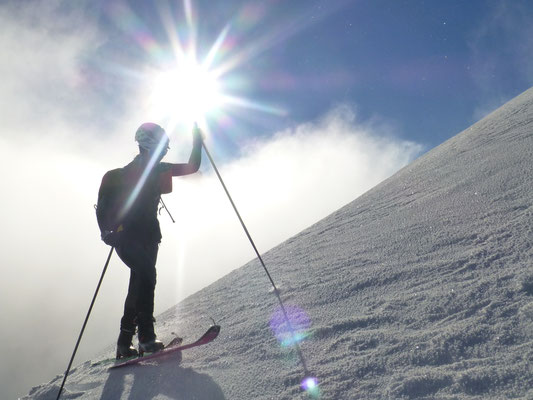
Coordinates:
152 137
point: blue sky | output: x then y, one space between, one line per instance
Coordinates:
335 97
428 68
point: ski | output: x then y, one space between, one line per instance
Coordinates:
206 338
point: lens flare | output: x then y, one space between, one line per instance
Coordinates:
299 321
310 386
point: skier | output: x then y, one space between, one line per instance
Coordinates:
127 216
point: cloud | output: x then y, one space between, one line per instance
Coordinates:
47 174
41 61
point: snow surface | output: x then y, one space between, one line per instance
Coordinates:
420 288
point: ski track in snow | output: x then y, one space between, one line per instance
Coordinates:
422 288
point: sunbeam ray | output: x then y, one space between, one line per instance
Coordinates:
245 103
215 48
171 29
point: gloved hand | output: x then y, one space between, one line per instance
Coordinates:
112 238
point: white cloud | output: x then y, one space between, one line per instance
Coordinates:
42 45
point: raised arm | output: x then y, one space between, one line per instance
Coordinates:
194 160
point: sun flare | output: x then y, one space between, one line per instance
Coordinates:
187 93
192 81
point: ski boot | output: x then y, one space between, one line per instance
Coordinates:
125 348
148 342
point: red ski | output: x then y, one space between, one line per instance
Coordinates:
207 337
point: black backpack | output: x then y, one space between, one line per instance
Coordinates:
110 200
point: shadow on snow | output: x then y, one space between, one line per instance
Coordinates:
169 379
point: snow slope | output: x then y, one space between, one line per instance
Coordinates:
421 288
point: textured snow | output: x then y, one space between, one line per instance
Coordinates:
420 288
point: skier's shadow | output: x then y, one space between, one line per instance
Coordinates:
167 378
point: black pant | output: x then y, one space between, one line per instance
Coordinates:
140 259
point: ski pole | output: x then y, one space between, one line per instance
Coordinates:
282 306
84 323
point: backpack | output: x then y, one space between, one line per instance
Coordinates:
110 200
115 189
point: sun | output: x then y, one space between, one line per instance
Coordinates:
192 82
186 92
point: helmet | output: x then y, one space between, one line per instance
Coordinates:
152 137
